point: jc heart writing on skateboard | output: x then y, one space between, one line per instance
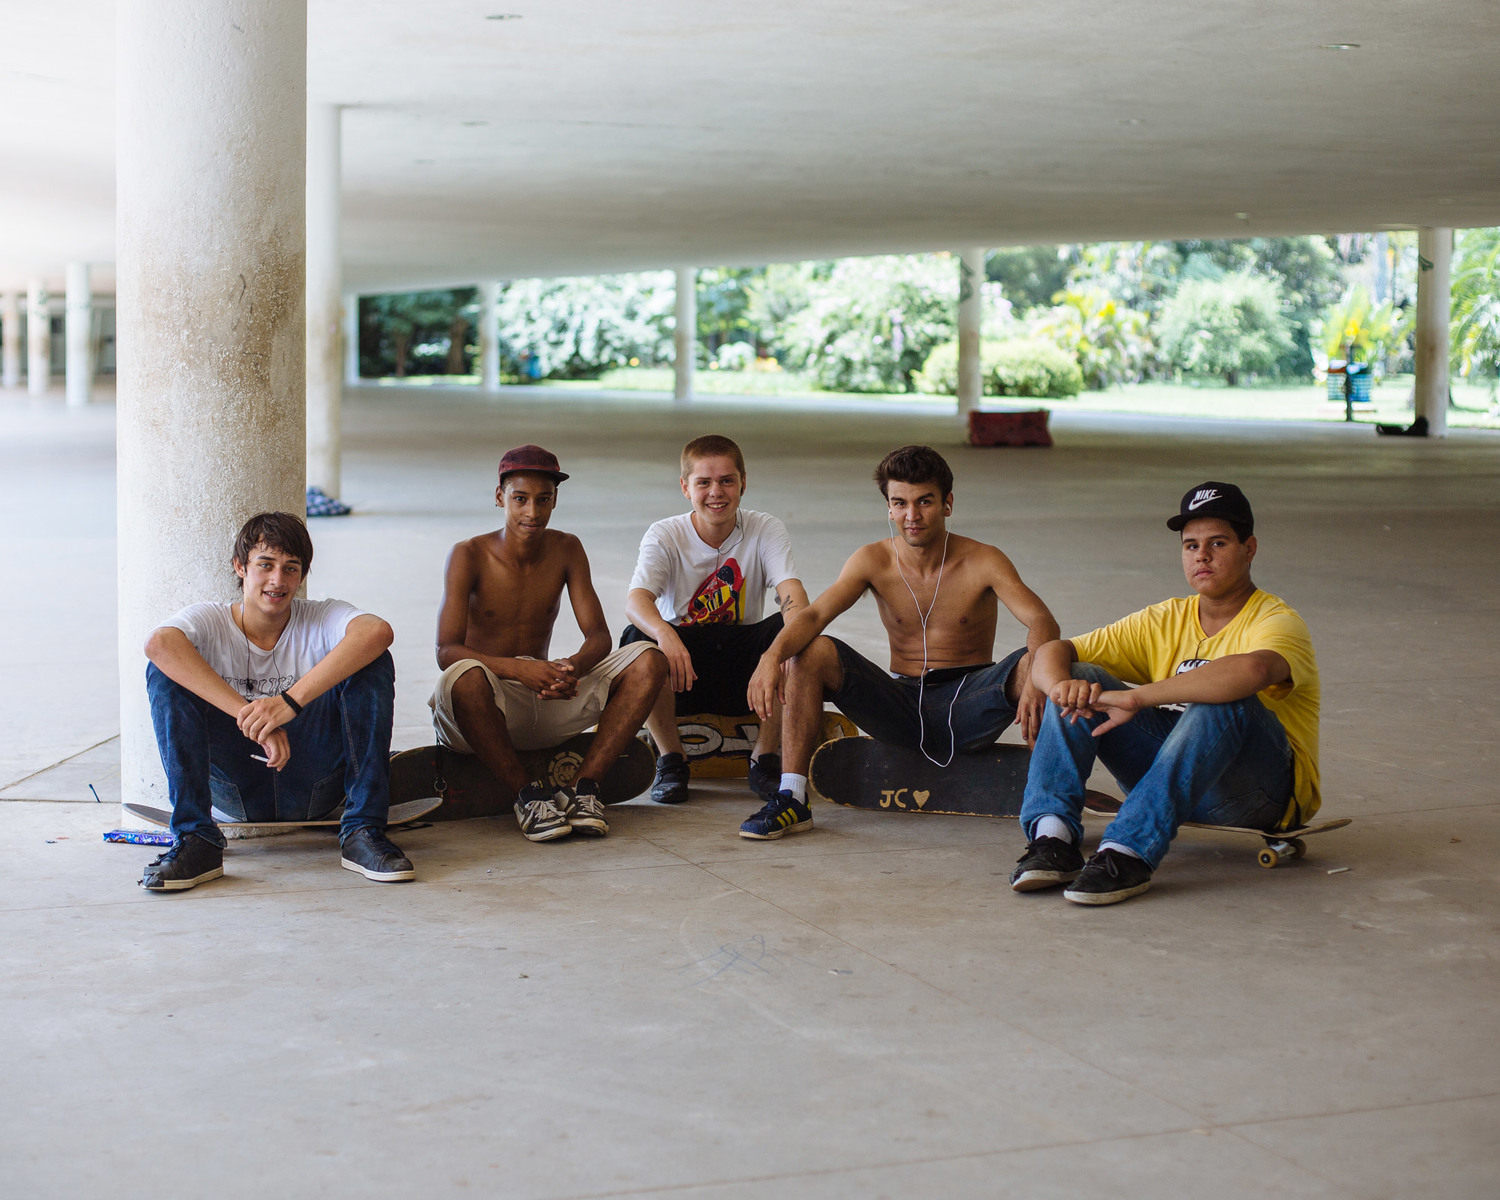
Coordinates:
938 595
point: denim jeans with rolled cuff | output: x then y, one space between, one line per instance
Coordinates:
1221 764
340 752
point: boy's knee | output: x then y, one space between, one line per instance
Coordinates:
471 688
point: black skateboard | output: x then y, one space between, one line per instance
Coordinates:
864 773
718 747
468 789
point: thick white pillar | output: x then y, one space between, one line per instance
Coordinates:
79 331
38 338
210 138
685 335
970 323
489 335
1434 299
351 338
325 300
10 340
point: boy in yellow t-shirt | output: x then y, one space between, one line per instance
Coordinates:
1220 727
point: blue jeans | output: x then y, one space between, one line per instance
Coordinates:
1222 764
340 751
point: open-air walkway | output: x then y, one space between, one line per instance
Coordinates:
865 1010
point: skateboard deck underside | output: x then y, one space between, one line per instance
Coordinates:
719 747
864 773
469 789
397 814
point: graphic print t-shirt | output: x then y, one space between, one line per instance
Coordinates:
1166 639
696 584
315 628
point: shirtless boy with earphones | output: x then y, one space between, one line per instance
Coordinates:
938 595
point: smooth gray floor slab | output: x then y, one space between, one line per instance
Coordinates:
861 1010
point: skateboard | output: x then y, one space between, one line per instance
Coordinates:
469 789
719 747
397 814
864 773
1279 843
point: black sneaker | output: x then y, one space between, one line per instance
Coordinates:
1047 862
1109 878
368 851
582 807
191 861
765 776
671 783
540 819
782 815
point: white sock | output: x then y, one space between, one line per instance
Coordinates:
1120 848
796 784
1053 827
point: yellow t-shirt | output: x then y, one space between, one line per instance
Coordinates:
1166 639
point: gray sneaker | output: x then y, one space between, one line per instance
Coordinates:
540 819
582 807
191 861
1109 878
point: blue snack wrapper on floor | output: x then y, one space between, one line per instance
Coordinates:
139 837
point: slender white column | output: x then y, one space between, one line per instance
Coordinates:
79 329
970 321
10 340
209 223
325 301
685 336
38 338
489 335
351 338
1434 299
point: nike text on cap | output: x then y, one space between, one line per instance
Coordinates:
531 457
1221 500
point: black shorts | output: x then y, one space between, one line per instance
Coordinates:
724 657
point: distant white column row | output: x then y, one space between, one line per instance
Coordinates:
970 322
79 326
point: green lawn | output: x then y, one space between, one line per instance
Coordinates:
1297 402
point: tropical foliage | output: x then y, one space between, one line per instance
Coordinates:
1109 342
1013 367
1476 305
1230 327
577 328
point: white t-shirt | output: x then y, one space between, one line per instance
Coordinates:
695 584
315 628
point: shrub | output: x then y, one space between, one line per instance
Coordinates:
1107 340
577 328
1231 327
1015 367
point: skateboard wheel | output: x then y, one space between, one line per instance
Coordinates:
1299 847
1268 857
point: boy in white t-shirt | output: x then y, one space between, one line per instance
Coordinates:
698 592
273 709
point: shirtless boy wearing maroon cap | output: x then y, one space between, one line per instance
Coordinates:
499 691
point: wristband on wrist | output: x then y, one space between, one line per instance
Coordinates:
292 704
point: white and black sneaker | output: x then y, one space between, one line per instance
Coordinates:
582 807
1046 862
539 817
191 860
368 851
1109 878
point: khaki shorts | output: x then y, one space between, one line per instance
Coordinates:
533 723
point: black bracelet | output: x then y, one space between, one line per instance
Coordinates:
292 704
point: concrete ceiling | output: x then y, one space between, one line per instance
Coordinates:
588 136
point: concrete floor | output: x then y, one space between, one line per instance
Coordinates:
865 1010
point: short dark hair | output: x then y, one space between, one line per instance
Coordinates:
276 531
1241 530
915 464
711 445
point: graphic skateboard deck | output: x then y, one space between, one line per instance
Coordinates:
398 814
719 747
1279 844
469 789
864 773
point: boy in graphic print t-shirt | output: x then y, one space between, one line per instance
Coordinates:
699 593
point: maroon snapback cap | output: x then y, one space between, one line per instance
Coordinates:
531 458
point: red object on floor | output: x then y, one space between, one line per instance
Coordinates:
1027 428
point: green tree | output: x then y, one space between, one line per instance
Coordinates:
1030 275
1476 305
1109 342
577 328
1229 327
400 330
1373 328
724 300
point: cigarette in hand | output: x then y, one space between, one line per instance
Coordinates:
261 758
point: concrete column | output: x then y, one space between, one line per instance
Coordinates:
38 338
489 335
10 340
80 334
685 336
970 322
211 120
1434 300
325 301
351 338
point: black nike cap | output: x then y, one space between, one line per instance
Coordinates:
1221 500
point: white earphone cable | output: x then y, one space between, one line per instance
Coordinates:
922 679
